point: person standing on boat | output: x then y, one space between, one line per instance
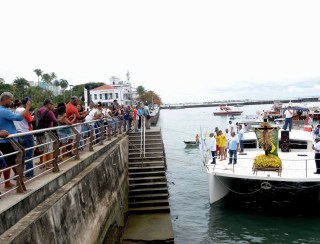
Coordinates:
213 148
240 137
222 146
309 120
233 148
288 121
316 148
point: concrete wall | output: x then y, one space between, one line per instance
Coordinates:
91 208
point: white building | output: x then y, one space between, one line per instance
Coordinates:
119 90
56 90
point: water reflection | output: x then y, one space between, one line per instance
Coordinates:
283 218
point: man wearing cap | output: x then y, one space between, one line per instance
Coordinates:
288 121
26 141
6 123
316 148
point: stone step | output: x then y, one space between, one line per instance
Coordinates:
148 197
147 174
138 145
146 159
154 209
146 154
149 203
145 168
142 191
151 149
146 163
138 141
147 179
148 184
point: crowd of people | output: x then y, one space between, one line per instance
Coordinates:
16 117
231 141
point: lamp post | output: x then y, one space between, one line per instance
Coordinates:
71 87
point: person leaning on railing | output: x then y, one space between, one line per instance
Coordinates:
6 123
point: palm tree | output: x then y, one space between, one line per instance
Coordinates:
46 78
64 84
20 84
38 73
53 76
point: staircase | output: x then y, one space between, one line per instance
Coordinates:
148 190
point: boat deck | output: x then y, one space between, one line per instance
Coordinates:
297 166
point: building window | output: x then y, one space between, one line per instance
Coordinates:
106 96
100 96
117 95
95 97
110 95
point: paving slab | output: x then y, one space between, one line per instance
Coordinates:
148 228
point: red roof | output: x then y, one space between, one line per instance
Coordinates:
104 87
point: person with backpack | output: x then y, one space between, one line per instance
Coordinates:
45 118
146 113
6 123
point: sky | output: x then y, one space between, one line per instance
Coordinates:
186 51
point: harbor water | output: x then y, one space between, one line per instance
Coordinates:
236 218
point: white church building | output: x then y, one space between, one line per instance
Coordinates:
116 90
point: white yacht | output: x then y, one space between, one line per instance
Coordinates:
297 171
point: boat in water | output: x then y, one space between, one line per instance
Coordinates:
191 143
224 110
296 170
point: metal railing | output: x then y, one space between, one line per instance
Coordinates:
302 169
53 150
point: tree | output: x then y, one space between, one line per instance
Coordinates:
53 76
56 83
46 78
20 84
38 73
140 90
64 84
150 96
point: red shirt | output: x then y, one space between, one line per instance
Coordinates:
135 112
70 110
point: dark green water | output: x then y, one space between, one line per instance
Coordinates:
234 219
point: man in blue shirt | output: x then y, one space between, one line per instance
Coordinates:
233 148
6 123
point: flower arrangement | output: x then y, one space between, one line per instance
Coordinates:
264 161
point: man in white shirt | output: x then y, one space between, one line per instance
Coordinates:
213 148
240 137
316 148
288 121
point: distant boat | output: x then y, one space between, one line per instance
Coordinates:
225 110
176 107
238 105
191 142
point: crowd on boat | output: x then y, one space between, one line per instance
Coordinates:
16 117
230 141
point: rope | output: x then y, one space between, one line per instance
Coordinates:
240 193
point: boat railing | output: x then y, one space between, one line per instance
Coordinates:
302 168
50 152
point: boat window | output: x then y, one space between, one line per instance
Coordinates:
250 144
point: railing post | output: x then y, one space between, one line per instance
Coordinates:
76 143
120 126
115 121
109 128
91 139
20 161
101 130
56 153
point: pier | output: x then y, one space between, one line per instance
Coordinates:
107 193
